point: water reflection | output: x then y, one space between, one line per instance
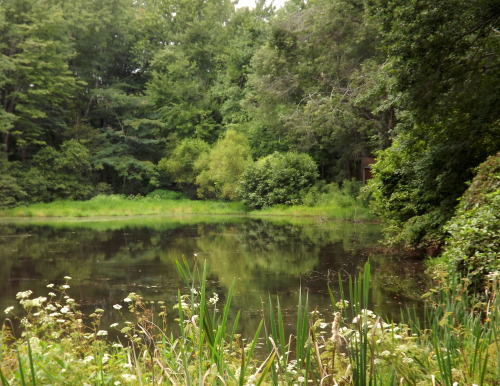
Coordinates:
262 257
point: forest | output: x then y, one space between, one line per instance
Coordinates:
204 107
253 105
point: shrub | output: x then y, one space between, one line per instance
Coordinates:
473 247
221 169
280 178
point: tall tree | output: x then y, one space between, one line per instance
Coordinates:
444 59
37 84
306 85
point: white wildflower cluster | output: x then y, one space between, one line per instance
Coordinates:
24 294
214 299
8 310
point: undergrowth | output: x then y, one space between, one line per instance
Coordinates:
456 342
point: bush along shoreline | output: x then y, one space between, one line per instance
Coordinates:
457 341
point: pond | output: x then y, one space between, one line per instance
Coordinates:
264 257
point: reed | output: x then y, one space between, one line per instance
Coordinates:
456 341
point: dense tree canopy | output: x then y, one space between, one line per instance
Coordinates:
193 95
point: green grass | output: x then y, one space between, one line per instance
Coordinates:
457 341
116 205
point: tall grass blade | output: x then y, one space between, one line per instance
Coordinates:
32 367
5 382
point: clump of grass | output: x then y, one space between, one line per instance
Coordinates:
457 341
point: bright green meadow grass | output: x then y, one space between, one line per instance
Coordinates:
116 205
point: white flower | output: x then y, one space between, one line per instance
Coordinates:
117 383
213 300
8 309
24 294
65 286
67 277
52 294
127 366
113 325
105 358
88 359
129 377
60 320
127 300
65 310
117 345
50 285
301 379
117 307
102 333
70 300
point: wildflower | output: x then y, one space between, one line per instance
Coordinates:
50 307
129 377
385 353
113 325
52 294
88 359
407 360
116 383
127 366
65 286
65 310
117 345
102 333
60 320
213 300
127 300
301 379
99 310
70 300
8 309
24 294
50 285
105 358
67 277
117 307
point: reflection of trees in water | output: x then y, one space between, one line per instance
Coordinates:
238 250
263 257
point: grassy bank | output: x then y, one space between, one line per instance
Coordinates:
353 346
116 205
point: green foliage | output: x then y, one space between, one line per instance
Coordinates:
280 178
473 248
11 193
166 195
221 169
65 173
445 86
179 165
304 92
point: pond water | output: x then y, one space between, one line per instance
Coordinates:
109 258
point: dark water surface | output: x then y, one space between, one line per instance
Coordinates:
109 258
